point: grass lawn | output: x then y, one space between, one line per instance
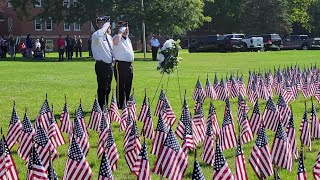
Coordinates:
27 81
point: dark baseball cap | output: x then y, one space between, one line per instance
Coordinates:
103 19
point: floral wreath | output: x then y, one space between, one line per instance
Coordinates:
168 58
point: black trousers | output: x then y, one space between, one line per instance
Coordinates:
78 49
154 53
104 79
61 52
123 73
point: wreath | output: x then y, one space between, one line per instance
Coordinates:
168 58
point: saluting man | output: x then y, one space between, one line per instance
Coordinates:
123 70
102 45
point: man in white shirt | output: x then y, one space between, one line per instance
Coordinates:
102 45
154 42
123 70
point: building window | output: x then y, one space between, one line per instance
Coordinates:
37 24
76 27
38 3
9 3
66 3
48 24
66 26
10 25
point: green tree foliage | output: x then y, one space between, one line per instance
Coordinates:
161 16
298 13
314 13
268 16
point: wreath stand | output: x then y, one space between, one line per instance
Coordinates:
168 85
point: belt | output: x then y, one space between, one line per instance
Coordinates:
100 61
124 61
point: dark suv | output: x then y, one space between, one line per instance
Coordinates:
296 42
208 43
271 41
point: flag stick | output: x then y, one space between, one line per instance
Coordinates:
167 84
157 88
179 85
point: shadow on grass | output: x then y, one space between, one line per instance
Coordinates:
56 59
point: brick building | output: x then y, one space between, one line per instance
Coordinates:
10 24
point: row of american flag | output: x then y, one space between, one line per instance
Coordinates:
37 145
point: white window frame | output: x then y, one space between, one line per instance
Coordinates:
74 27
9 3
35 24
45 23
64 26
39 4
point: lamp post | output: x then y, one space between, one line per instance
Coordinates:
143 32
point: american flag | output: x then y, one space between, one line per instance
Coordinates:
143 110
127 131
241 170
212 116
77 166
106 114
242 86
207 154
209 90
167 114
26 137
242 105
81 119
260 158
132 107
302 174
172 162
141 168
103 135
80 136
43 118
291 135
252 92
188 142
105 172
215 83
35 168
316 168
315 125
234 90
114 111
317 94
228 135
284 110
54 133
160 136
197 173
132 145
221 168
44 147
147 128
271 115
14 128
198 126
52 175
95 116
124 117
288 93
222 92
246 133
65 119
111 151
8 168
305 88
305 132
160 103
198 92
185 116
281 155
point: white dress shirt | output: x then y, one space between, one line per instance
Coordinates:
123 51
99 45
155 42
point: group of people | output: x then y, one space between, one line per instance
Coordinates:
113 55
69 45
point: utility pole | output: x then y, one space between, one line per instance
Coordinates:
143 32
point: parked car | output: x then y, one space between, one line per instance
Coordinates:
208 43
314 43
296 42
252 43
234 42
271 41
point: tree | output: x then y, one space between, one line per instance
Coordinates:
161 16
268 16
314 14
298 13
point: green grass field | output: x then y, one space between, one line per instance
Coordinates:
27 81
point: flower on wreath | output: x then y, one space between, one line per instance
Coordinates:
168 58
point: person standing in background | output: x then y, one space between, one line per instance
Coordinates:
12 45
89 46
29 46
43 46
61 47
78 46
102 46
68 47
123 70
155 44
